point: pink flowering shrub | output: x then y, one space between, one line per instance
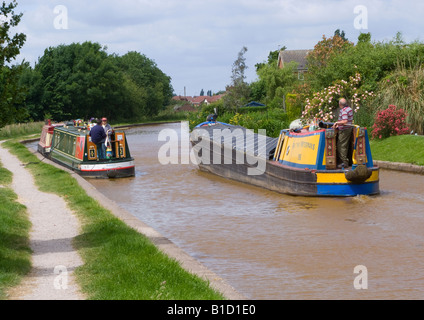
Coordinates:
390 122
323 104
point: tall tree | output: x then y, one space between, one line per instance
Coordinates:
11 94
77 81
148 78
239 67
83 81
340 34
238 92
323 53
277 80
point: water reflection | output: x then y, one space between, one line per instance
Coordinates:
274 246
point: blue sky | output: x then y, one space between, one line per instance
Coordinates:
195 42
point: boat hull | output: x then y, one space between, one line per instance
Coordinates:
110 173
99 169
231 162
296 182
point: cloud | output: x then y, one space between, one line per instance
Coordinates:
195 42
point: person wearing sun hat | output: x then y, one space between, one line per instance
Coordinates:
106 126
108 131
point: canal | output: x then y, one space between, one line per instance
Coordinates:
273 246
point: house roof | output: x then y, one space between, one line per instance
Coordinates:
298 56
215 98
179 98
200 99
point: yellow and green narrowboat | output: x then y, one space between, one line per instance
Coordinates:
301 162
71 146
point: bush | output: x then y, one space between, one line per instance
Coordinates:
390 122
405 87
273 121
293 107
323 105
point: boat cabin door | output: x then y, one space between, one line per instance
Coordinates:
91 149
120 145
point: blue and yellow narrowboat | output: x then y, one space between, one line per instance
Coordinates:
71 146
299 162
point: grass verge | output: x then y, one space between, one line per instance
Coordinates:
15 253
405 148
119 262
20 129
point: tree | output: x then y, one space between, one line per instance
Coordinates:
340 34
364 38
272 58
202 92
324 51
238 92
83 81
274 78
76 81
11 94
148 78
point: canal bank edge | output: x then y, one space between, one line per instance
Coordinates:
164 244
398 166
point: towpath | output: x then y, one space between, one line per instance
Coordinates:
53 228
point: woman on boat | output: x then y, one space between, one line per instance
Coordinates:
98 136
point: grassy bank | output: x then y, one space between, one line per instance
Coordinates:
15 254
20 129
119 262
406 149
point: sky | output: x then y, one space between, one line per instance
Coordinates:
196 42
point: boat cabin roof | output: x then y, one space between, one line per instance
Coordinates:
82 131
239 134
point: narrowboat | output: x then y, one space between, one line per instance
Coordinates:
70 145
45 142
299 162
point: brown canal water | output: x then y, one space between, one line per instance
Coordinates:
273 246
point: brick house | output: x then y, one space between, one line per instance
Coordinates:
197 101
299 56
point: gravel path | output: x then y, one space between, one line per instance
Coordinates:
53 228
